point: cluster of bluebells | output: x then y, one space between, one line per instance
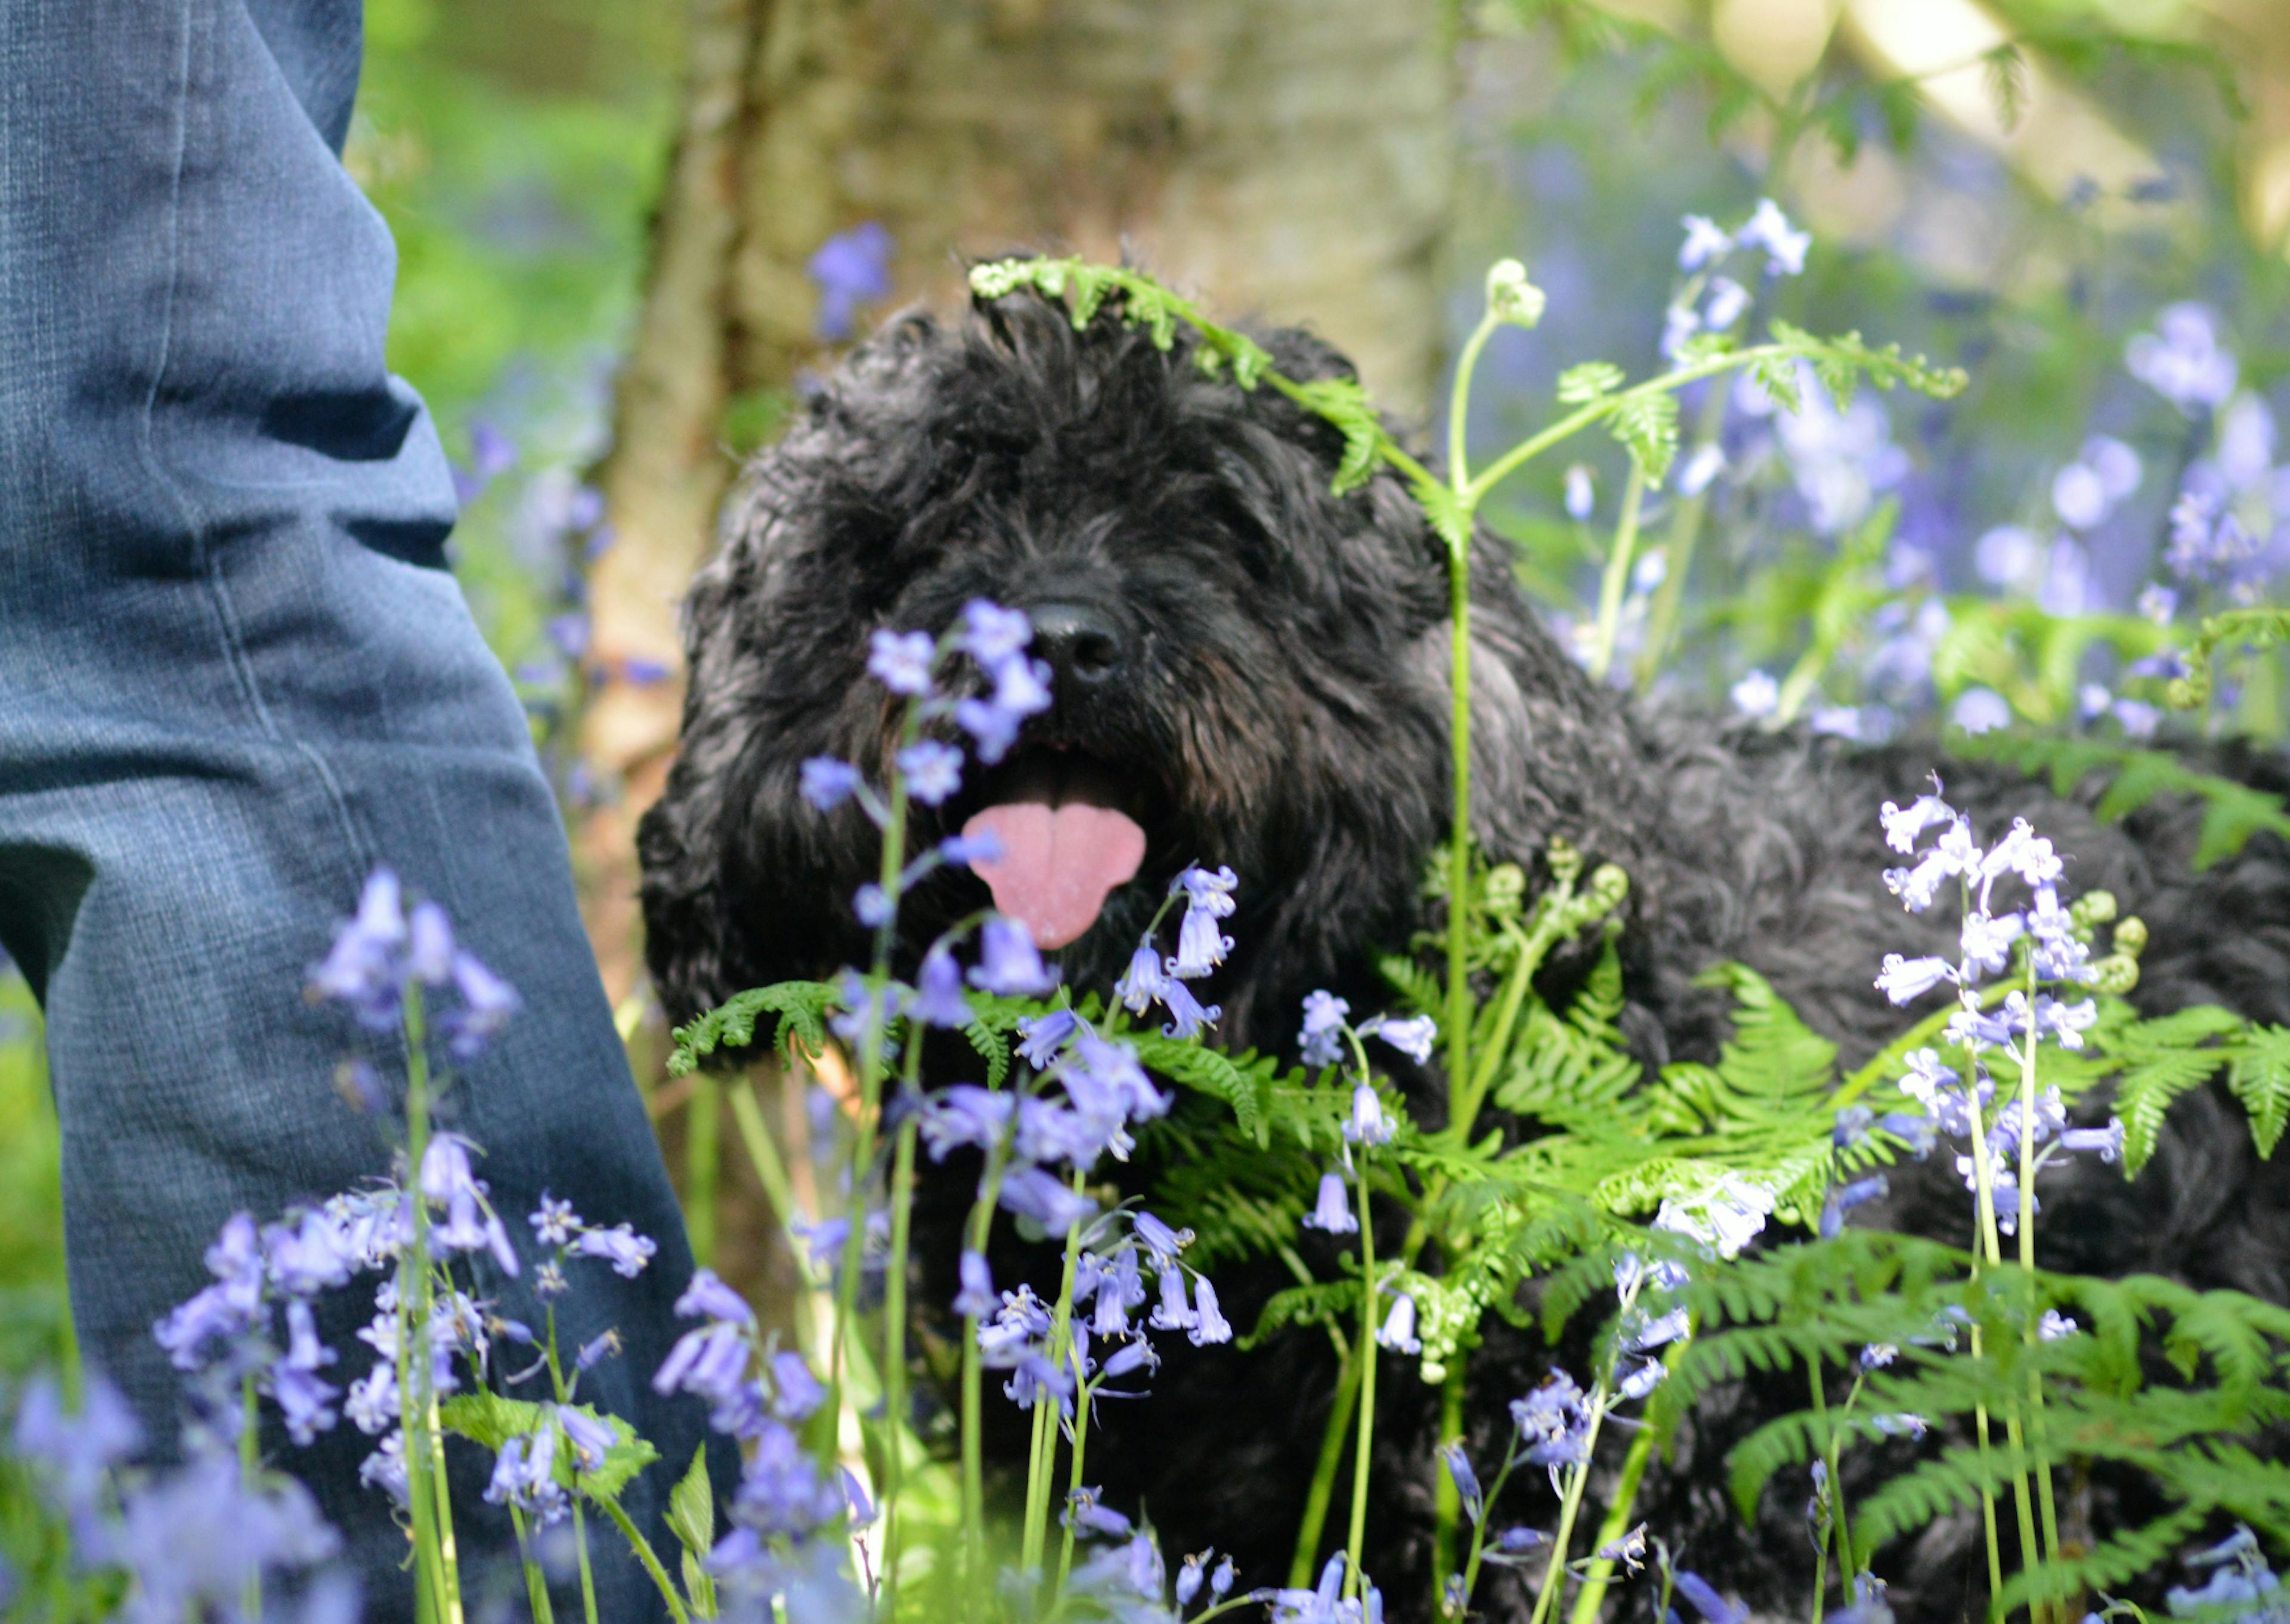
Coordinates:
1711 301
2057 955
2242 1586
1154 978
788 1509
386 950
195 1541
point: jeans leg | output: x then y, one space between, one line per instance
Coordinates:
234 676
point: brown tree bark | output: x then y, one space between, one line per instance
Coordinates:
1287 159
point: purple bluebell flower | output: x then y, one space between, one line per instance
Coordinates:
1906 979
828 783
1201 947
873 906
604 1345
428 944
1209 1324
901 661
1466 1481
310 1252
1084 1513
487 1004
976 1299
1160 1240
1706 242
225 1311
708 1297
1221 1581
964 850
1412 1036
1317 1605
1031 1193
76 1452
1679 323
1842 1201
1187 1014
1769 228
1021 690
1173 1312
1324 1026
1110 1071
2182 359
1145 981
305 1402
1368 1123
783 1492
796 1393
361 969
1728 302
992 633
1640 1379
371 1405
965 1114
2106 1142
1398 1329
1042 1036
195 1539
1129 1357
938 999
590 1439
1189 1576
1333 1211
1707 461
385 1469
555 1222
1579 492
524 1475
711 1361
850 269
1705 1599
1035 1375
1008 963
933 771
622 1247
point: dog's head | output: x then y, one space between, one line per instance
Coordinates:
1246 670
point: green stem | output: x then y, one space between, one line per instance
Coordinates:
1446 1504
451 1563
252 1598
1364 1451
973 1467
1458 400
1601 1570
1617 577
642 1547
1073 1484
1480 1528
1553 1577
581 1552
771 1173
1042 1464
1459 837
894 1354
536 1586
1684 532
702 1162
433 1601
1323 1488
2034 1332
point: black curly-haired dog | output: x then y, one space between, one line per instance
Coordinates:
1254 672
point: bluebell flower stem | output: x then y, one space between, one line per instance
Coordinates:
702 1162
1322 1492
894 1353
973 1468
1042 1464
434 1599
1617 577
1988 1250
771 1173
1459 838
2034 1333
1479 1527
449 1557
1569 1508
1446 1503
587 1576
249 1454
1073 1486
1363 1455
1600 1572
536 1584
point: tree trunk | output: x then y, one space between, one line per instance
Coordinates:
1287 159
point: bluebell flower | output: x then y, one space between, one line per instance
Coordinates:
1201 947
1412 1036
1707 461
1629 1550
589 1439
1008 963
1681 323
1021 690
865 1018
1220 1581
1642 1331
1842 1201
1333 1211
783 1493
622 1247
901 661
428 944
1640 1379
1146 982
1324 1027
1109 1073
1084 1513
372 1404
828 783
1209 1324
225 1311
1368 1124
1706 242
2106 1142
385 1469
1579 492
708 1297
1048 1132
555 1222
1905 979
1120 1576
1466 1481
75 1452
361 968
1129 1357
850 269
938 998
710 1361
305 1402
933 771
1512 1545
1399 1331
965 1114
796 1393
1160 1240
1729 300
310 1252
1189 1575
976 1299
1031 1193
195 1539
992 633
1040 1036
872 906
1035 1375
486 1004
1769 228
964 850
1317 1605
524 1475
1173 1312
1852 1126
1187 1014
1705 1599
2182 359
604 1345
1119 1289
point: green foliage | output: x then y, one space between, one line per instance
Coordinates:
2249 629
489 1420
801 1006
692 1519
2232 811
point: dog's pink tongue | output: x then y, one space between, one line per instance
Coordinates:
1057 863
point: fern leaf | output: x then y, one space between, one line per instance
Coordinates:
1246 1091
2259 1076
801 1006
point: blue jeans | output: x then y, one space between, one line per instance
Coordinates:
234 675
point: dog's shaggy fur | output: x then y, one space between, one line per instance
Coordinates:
1276 700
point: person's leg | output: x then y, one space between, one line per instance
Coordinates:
234 676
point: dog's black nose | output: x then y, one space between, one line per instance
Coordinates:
1080 645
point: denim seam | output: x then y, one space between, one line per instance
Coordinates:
202 555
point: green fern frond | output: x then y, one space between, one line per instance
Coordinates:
801 1006
2259 1076
2255 629
2232 811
